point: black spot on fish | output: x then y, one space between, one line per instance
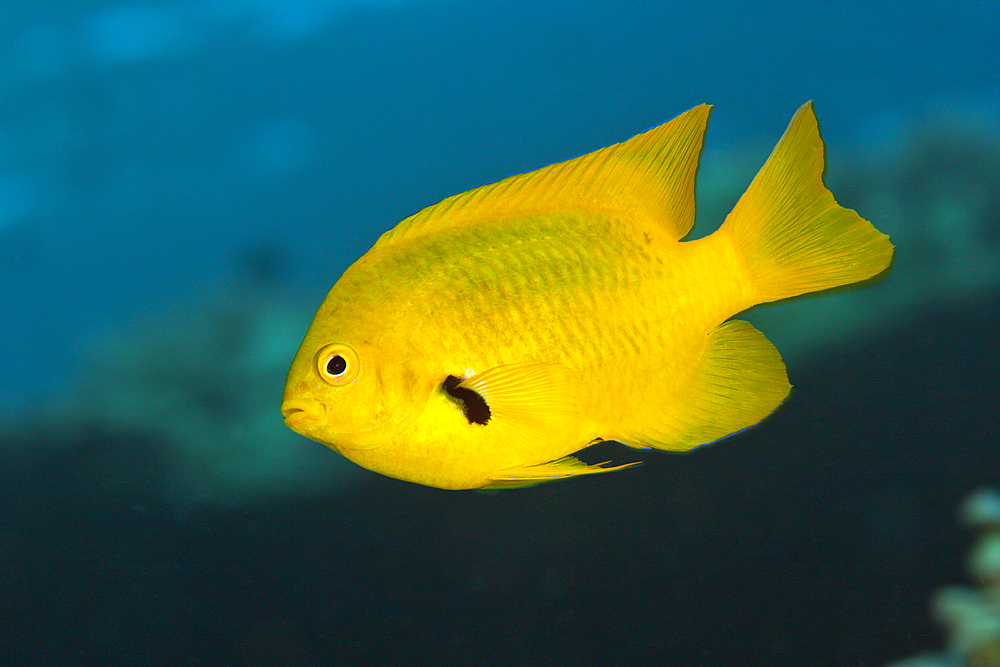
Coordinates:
473 405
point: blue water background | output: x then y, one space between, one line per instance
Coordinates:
149 149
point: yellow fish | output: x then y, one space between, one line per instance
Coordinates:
485 339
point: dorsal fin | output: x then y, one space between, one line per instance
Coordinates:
649 177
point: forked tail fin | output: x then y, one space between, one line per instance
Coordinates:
791 235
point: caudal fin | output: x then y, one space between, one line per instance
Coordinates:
791 234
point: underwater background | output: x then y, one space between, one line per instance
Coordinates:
182 181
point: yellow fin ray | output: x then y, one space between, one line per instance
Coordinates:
649 178
790 233
537 396
740 382
568 466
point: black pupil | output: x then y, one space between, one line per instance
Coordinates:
337 365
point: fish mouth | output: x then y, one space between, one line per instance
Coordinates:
304 415
301 411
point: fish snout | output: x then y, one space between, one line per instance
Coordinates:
302 411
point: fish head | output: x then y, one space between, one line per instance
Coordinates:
350 393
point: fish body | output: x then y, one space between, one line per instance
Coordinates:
485 339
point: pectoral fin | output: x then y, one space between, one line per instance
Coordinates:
537 396
532 408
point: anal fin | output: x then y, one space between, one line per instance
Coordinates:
739 383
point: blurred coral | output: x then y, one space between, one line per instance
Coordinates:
972 615
203 385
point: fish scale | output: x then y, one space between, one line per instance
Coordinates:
490 289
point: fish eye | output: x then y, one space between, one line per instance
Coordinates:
337 364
